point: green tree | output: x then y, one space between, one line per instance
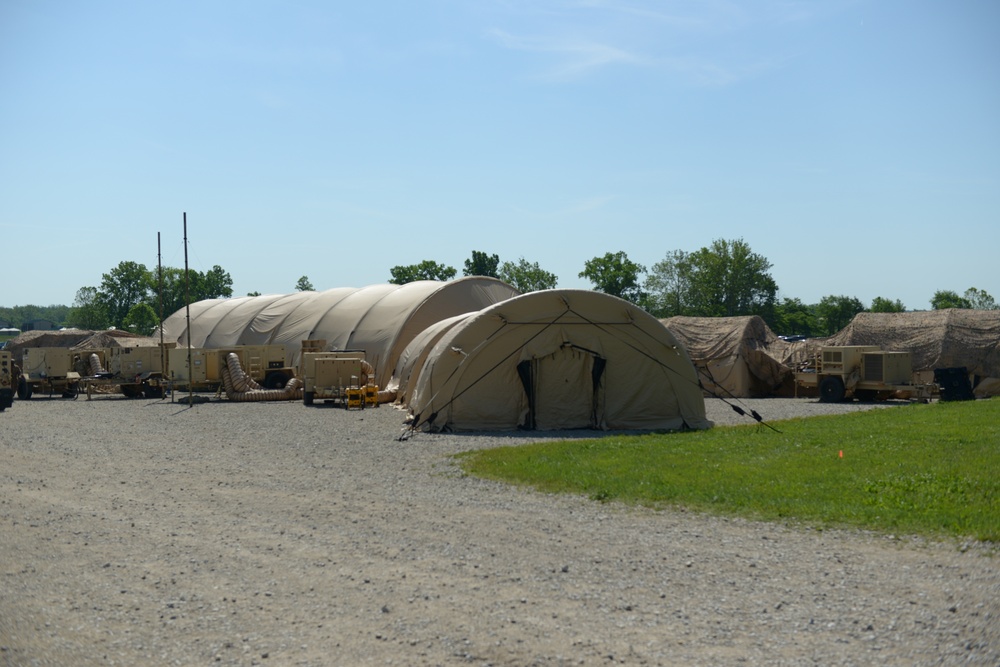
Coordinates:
215 284
722 280
980 299
615 274
88 311
121 288
527 277
836 312
254 293
18 316
792 317
883 305
947 299
425 270
141 319
304 285
481 264
668 285
729 279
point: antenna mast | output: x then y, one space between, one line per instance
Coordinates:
187 310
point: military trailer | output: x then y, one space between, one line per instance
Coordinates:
864 372
59 370
8 379
334 376
139 371
265 364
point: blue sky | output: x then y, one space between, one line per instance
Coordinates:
855 144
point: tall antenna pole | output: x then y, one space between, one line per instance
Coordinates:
187 310
159 271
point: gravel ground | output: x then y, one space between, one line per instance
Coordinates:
142 532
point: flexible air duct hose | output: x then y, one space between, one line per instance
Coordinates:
384 395
367 370
95 364
241 388
241 381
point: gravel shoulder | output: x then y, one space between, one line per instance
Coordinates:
138 532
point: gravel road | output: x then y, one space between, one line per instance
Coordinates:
142 532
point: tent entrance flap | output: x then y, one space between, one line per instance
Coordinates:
562 389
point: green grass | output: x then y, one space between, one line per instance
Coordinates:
931 470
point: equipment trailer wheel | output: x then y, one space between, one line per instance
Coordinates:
149 391
831 390
130 391
24 389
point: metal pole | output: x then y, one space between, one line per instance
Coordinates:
187 310
163 352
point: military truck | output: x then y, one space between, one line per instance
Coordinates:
59 370
8 379
265 364
864 372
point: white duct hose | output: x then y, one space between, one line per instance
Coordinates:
95 364
242 388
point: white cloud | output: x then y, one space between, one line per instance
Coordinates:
576 57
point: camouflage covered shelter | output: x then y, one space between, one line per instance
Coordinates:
738 356
937 339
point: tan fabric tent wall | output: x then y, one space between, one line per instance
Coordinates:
950 338
555 359
379 319
737 356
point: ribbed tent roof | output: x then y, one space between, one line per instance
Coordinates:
554 359
379 319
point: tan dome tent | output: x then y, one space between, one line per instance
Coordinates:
555 359
379 319
950 338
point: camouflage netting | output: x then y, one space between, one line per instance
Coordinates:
738 356
952 338
79 339
742 356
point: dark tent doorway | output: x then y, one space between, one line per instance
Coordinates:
563 389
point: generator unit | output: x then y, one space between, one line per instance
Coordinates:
265 364
864 372
334 376
139 371
59 370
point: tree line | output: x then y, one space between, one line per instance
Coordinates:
134 298
725 278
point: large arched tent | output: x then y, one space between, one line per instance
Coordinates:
379 319
555 359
